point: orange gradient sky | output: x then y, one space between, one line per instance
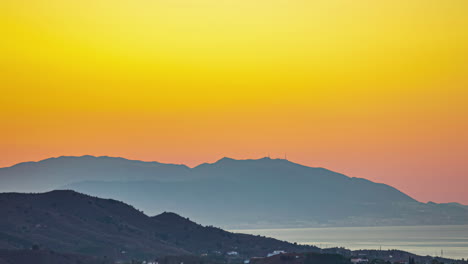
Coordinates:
372 89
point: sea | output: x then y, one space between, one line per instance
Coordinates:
447 241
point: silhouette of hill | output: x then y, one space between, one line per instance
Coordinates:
200 239
235 193
47 257
67 221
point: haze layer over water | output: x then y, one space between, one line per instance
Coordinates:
421 240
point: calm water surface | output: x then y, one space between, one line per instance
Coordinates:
421 240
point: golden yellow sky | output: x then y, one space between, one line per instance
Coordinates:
373 89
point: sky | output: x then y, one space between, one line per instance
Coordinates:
372 89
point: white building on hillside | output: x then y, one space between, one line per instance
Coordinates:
276 252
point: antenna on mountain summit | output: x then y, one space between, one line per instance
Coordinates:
285 156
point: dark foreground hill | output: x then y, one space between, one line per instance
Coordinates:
235 194
26 256
67 221
304 258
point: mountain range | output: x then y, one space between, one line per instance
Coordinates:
234 193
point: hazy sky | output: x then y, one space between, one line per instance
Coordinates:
373 89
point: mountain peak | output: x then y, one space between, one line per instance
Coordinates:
225 159
172 218
264 159
63 192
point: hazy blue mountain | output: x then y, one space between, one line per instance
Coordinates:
235 193
52 173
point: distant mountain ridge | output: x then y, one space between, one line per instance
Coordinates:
51 173
235 193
